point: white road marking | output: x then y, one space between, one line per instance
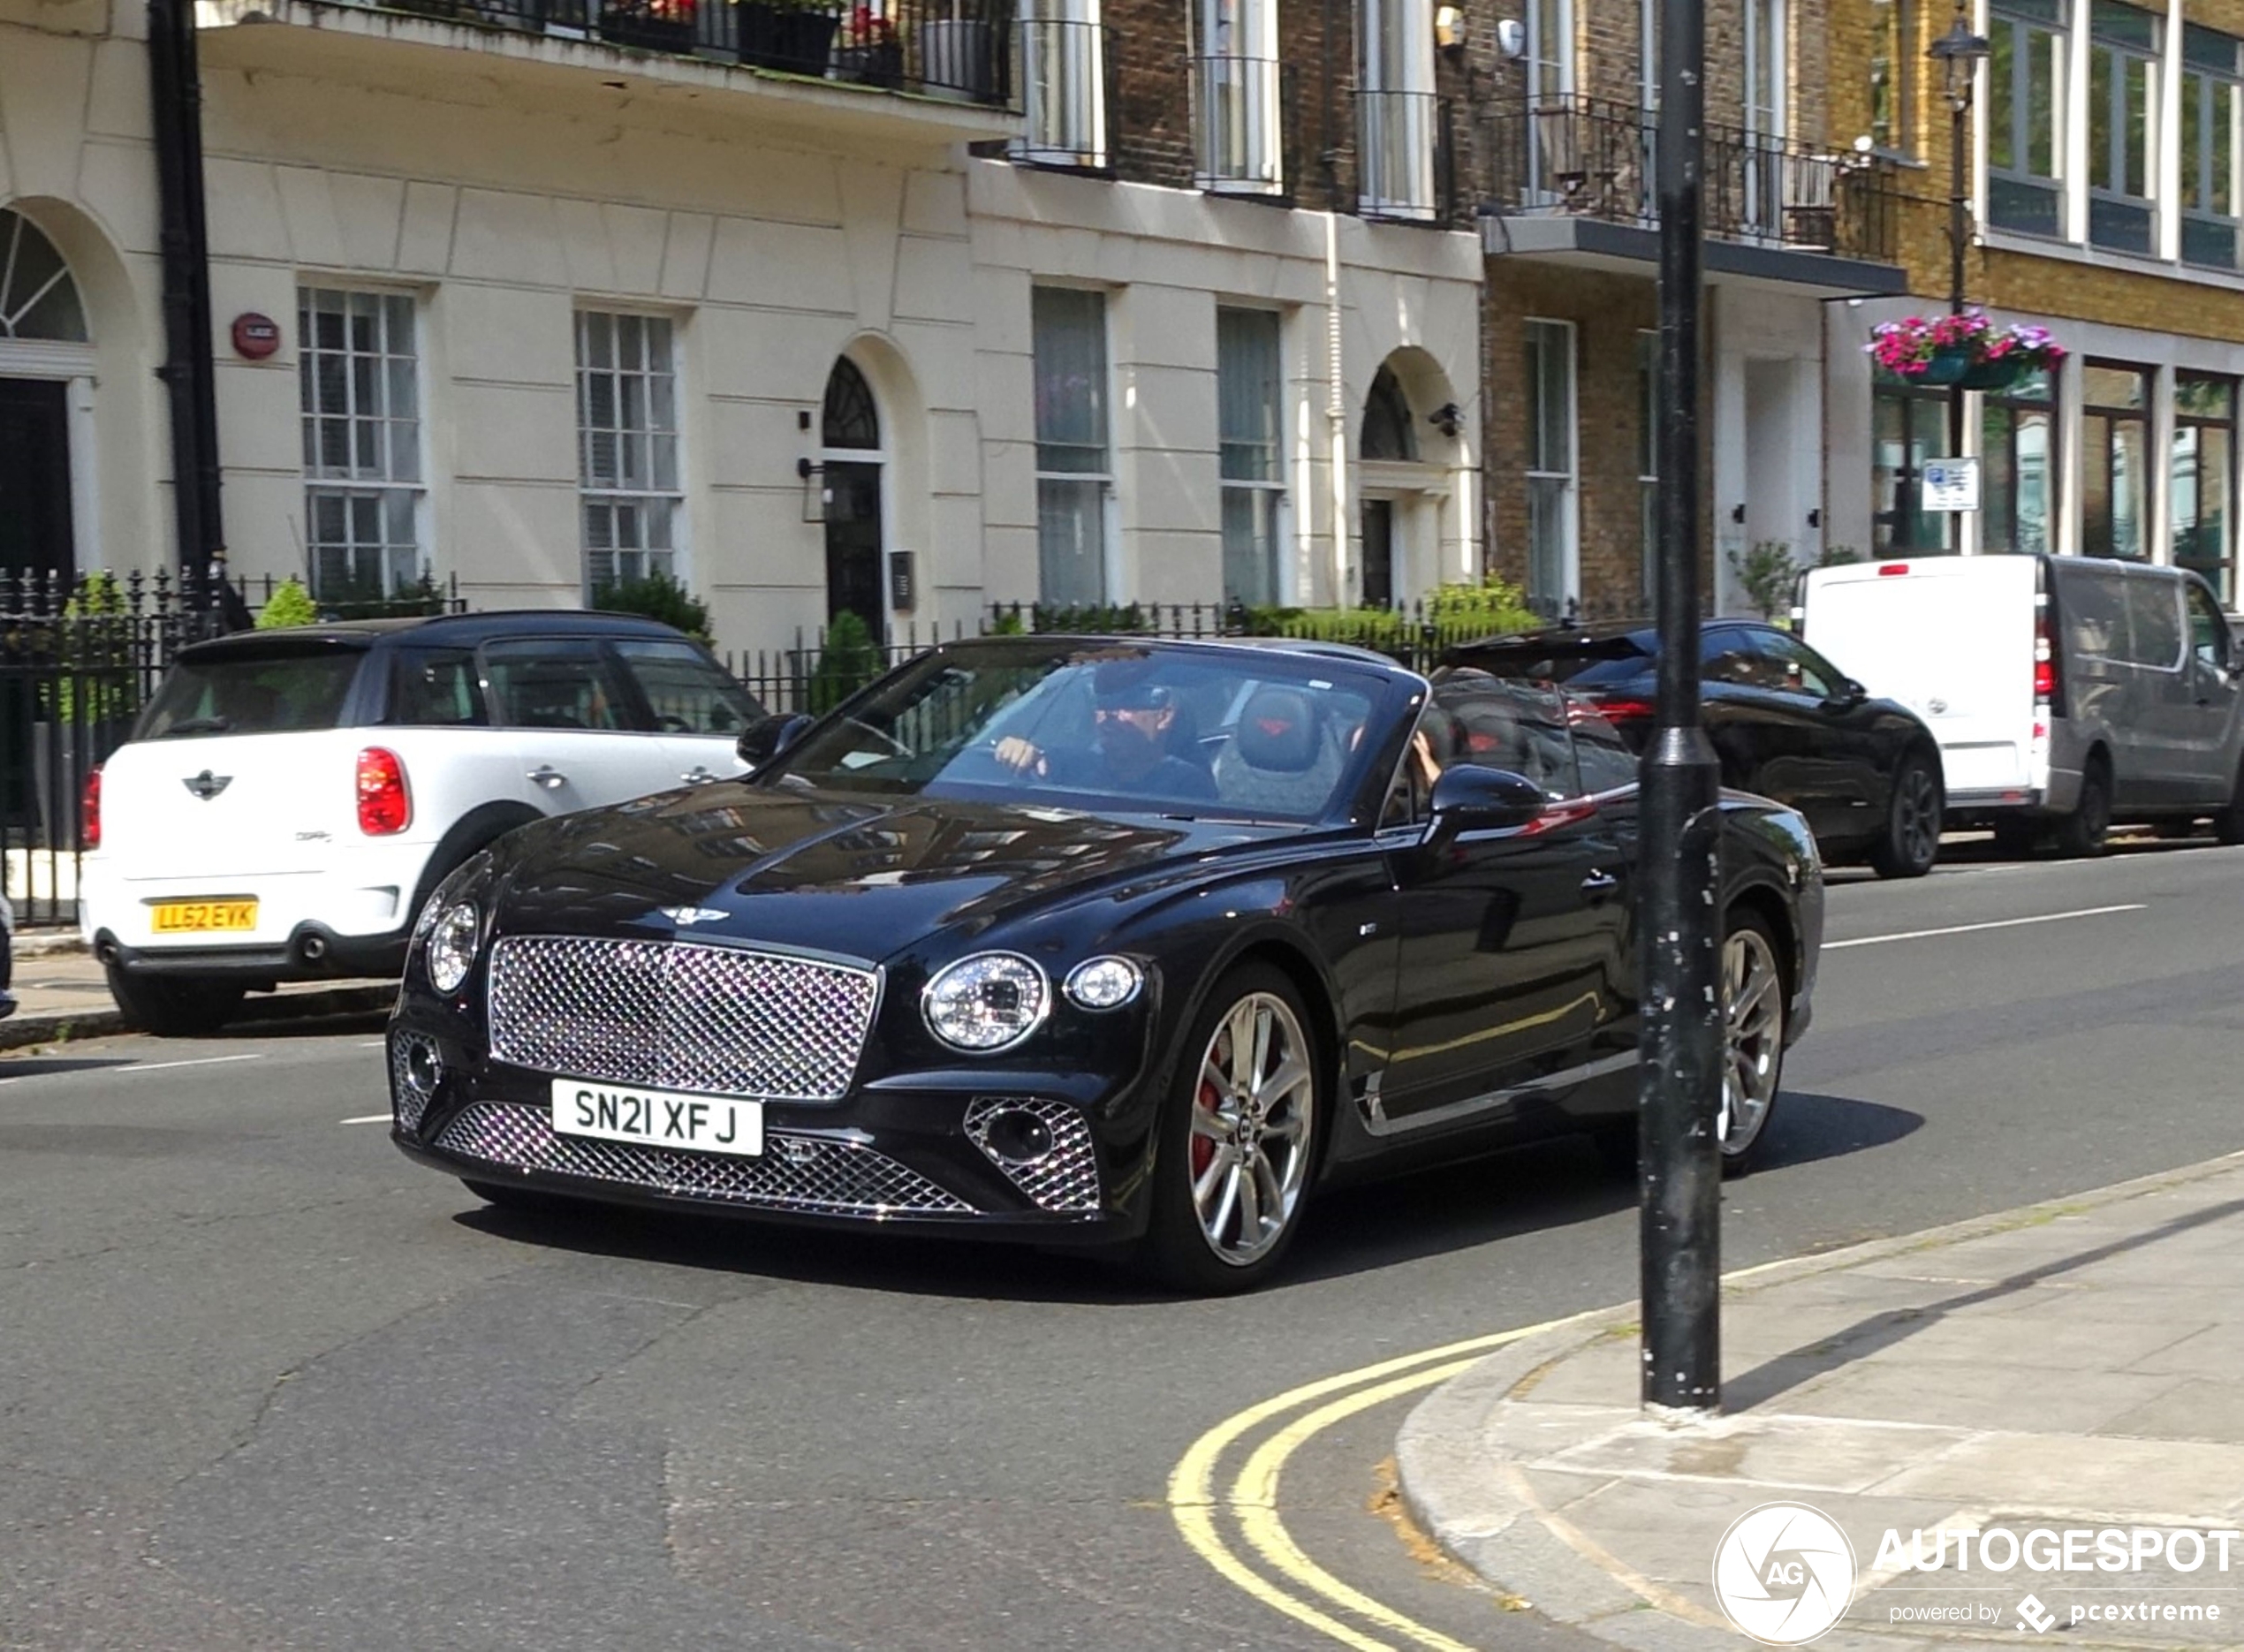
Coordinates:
369 1118
1967 929
375 1043
199 1061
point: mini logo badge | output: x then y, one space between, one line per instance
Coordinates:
686 917
206 786
1784 1573
2035 1616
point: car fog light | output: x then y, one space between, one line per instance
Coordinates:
988 1002
1104 983
1019 1138
424 1067
451 946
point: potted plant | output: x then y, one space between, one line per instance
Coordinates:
1966 349
957 60
870 53
789 35
653 24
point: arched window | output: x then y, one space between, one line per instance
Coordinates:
1387 433
851 418
38 299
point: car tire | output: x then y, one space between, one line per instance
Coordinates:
1754 1010
1222 1150
1620 1147
174 1009
1910 843
2081 834
2228 823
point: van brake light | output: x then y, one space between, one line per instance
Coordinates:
89 812
385 806
1885 569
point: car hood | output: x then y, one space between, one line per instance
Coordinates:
841 873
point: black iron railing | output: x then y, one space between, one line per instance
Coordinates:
955 50
1598 158
1406 156
1067 92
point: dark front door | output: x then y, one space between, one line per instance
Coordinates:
1378 553
853 543
35 478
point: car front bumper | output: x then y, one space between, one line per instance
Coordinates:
903 1151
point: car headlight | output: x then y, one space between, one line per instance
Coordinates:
451 945
1104 984
990 1001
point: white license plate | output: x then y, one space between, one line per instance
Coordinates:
658 1118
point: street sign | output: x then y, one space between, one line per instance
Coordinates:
1950 484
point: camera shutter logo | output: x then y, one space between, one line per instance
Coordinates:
1784 1573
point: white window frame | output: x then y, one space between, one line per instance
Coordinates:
1272 488
1397 110
393 487
1547 482
1237 91
2218 94
2068 68
1102 479
1063 77
654 499
2152 60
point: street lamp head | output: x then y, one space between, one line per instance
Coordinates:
1959 53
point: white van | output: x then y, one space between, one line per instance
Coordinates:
2066 692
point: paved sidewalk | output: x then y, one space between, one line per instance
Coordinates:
2073 1365
63 995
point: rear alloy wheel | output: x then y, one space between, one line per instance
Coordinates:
1753 1028
1911 841
2228 825
2081 833
174 1008
1238 1139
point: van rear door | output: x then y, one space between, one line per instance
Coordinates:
1951 637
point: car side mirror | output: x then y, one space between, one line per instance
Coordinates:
767 737
1848 695
1469 797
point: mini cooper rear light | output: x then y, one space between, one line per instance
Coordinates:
1887 568
89 812
385 806
1623 710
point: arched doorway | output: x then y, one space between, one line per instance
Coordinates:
1389 437
44 347
850 435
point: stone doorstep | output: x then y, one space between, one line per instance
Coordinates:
1470 1455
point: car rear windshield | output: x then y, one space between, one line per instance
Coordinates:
1577 662
274 692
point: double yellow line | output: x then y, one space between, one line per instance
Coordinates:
1286 1578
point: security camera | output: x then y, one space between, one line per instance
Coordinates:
1510 39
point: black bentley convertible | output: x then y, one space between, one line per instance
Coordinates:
1108 942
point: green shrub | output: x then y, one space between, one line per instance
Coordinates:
1766 573
290 604
658 596
1454 614
98 683
847 663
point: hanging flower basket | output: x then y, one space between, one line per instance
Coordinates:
1966 349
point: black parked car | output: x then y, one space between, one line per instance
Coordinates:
7 957
1080 941
1786 723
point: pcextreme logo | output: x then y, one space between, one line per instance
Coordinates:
1784 1573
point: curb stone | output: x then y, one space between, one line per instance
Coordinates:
23 1031
1462 1488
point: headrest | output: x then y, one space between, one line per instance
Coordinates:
1277 732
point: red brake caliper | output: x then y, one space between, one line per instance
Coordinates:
1209 1100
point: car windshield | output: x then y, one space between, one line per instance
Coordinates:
274 691
1577 662
1264 735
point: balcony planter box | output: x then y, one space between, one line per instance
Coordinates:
880 63
787 38
652 26
958 60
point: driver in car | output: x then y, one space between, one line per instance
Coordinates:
1133 718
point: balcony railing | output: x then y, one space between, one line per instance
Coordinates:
1067 89
1597 158
1240 110
956 50
1405 167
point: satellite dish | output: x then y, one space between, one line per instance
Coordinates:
1510 39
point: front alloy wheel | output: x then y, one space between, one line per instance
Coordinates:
1238 1139
1912 839
1752 1017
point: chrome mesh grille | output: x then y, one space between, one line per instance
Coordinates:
802 1174
405 1101
665 1015
1064 1179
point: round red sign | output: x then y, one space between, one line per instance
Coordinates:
256 337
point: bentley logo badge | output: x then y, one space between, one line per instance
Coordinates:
206 786
684 917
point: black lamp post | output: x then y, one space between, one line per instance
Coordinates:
1958 52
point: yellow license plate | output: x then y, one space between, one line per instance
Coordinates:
203 917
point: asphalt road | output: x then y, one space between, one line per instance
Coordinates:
263 1385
